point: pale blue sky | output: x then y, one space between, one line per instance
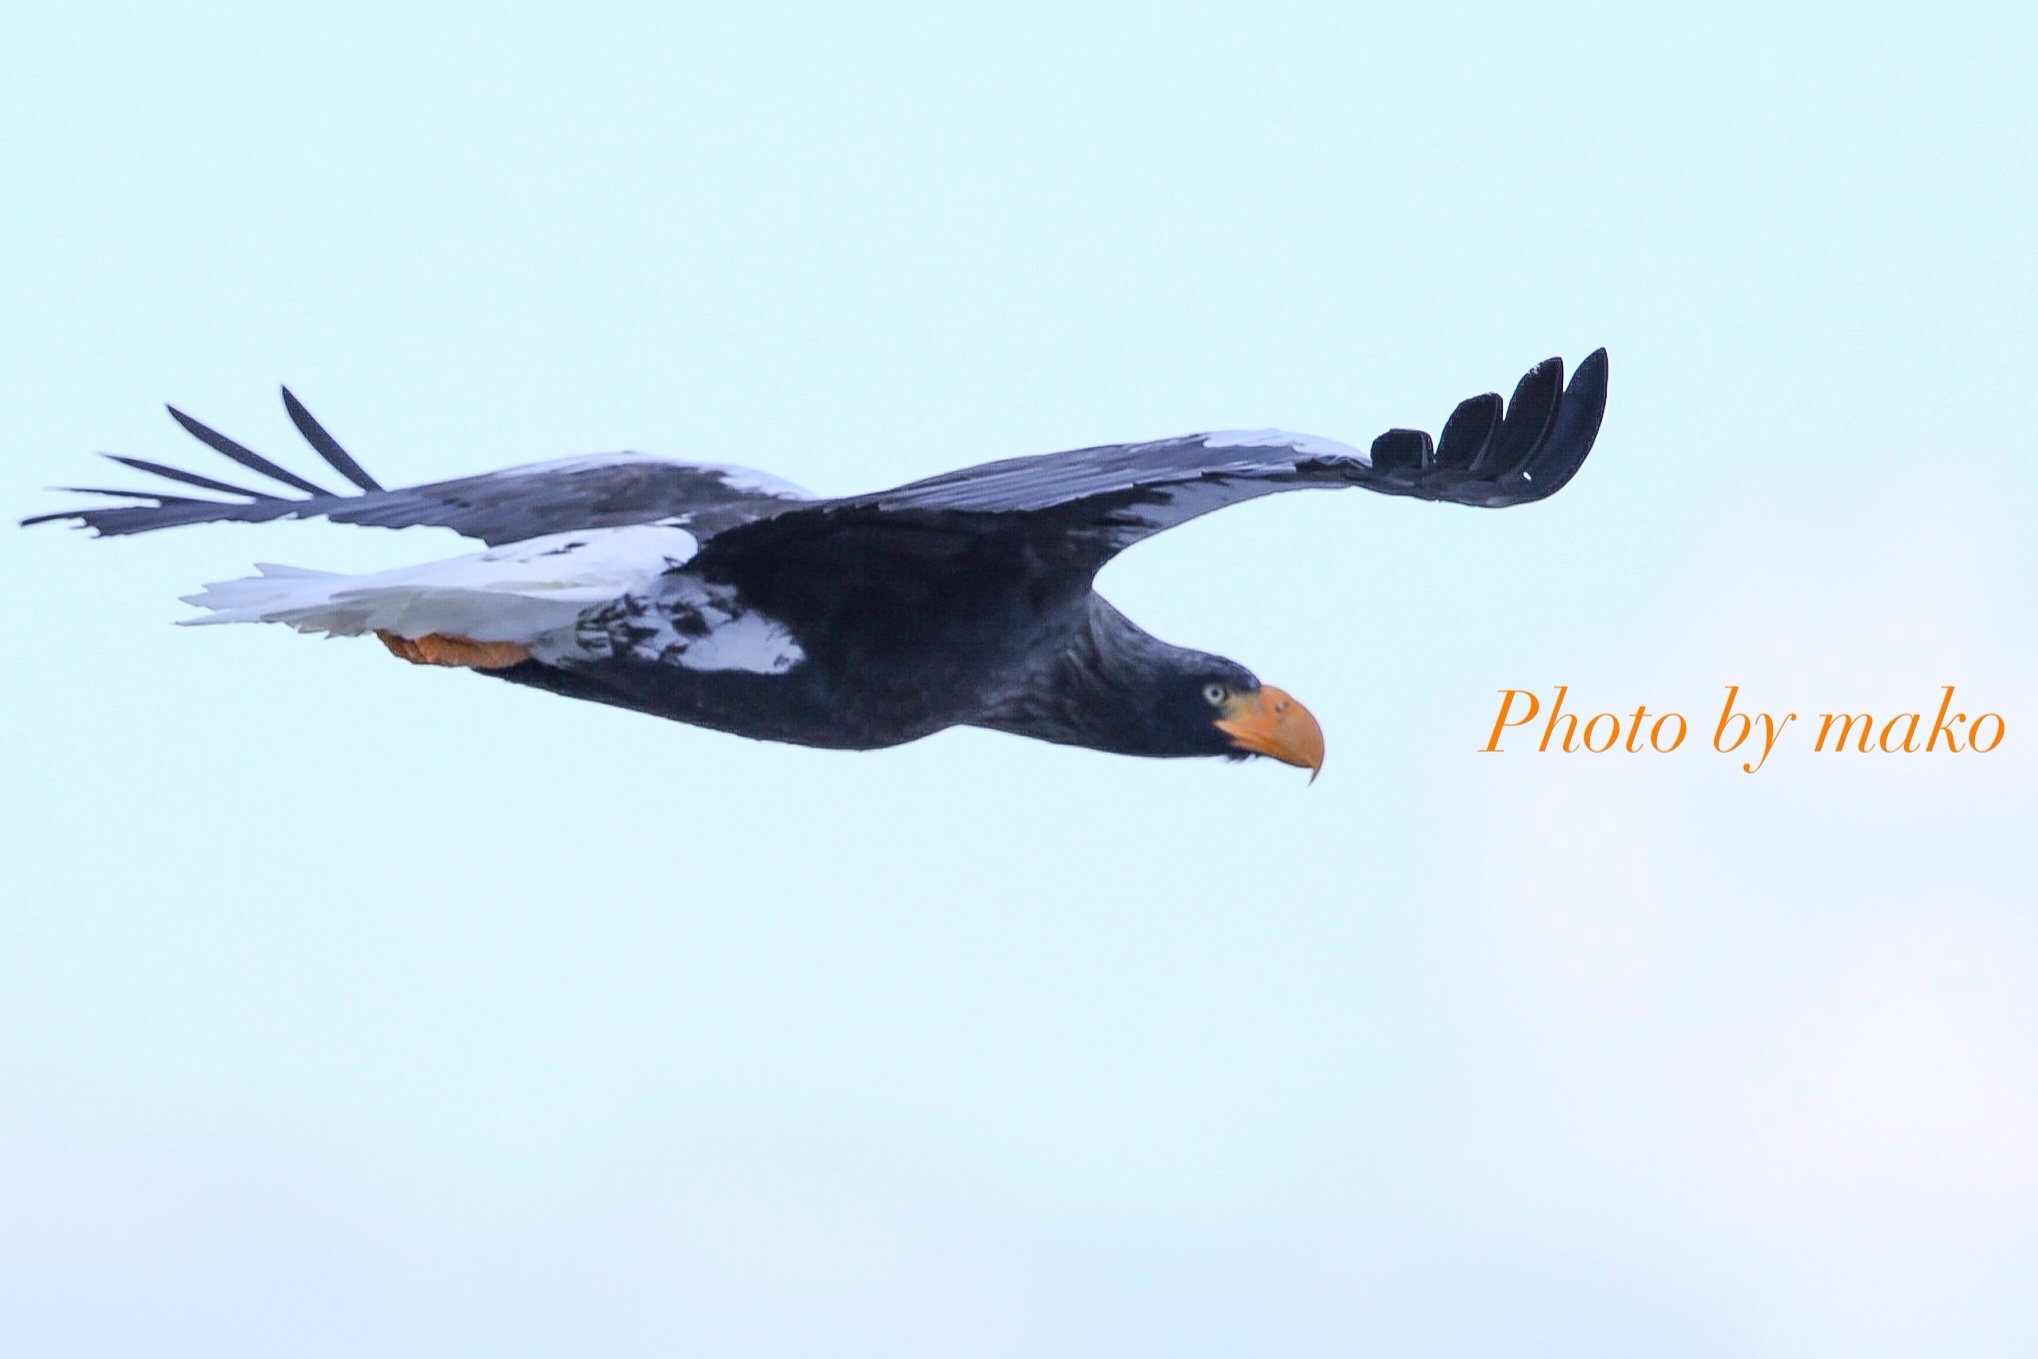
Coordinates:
350 1009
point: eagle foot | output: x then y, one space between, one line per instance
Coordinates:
436 648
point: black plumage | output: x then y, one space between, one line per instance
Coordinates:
861 621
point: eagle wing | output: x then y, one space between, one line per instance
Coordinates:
512 505
1114 495
1103 499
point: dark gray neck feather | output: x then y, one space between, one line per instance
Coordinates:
1099 689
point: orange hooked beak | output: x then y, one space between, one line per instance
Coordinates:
1272 723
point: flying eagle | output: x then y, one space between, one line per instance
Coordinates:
730 599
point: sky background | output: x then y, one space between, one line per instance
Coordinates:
348 1008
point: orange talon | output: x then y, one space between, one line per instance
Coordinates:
436 648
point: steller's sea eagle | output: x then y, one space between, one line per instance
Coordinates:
730 599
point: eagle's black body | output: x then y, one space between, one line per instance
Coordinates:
964 599
908 628
911 625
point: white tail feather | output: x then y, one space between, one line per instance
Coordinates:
530 592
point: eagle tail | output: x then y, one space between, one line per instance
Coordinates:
530 593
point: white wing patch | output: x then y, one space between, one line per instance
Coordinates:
687 622
1308 445
567 596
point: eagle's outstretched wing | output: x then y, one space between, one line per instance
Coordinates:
601 491
1102 499
1117 494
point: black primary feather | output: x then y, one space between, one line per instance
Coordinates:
245 456
328 447
188 478
1526 423
1467 432
1573 432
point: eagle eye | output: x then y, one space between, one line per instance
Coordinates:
1213 693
